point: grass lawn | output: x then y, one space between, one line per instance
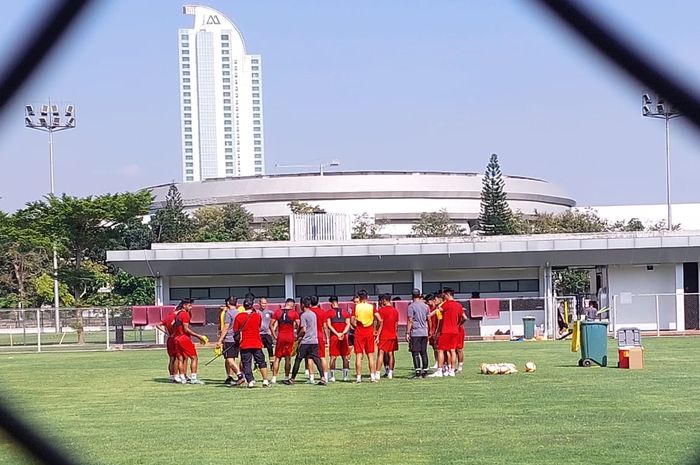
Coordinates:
116 408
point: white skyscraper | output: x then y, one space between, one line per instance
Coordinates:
220 100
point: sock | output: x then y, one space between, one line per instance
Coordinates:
193 376
345 372
274 379
172 377
389 372
176 378
311 377
359 378
461 365
325 376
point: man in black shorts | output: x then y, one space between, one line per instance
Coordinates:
265 333
231 350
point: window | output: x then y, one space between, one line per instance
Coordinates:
185 59
229 171
188 121
258 162
228 150
256 121
255 102
199 293
256 108
488 286
227 129
224 44
258 169
228 136
227 94
224 37
188 157
229 157
185 66
227 100
256 88
177 293
528 285
257 142
188 129
185 44
403 289
226 73
256 129
185 52
467 287
189 178
229 163
254 68
256 95
224 52
187 94
227 87
256 115
508 286
188 165
258 149
186 73
227 79
186 87
189 172
188 115
218 293
225 66
227 121
256 136
254 61
188 136
227 108
384 289
227 115
255 81
187 102
188 150
255 75
184 37
185 79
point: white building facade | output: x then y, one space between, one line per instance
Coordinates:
220 100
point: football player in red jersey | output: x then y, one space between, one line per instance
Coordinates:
388 334
183 341
338 323
285 322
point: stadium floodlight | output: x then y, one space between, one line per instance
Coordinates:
654 106
50 121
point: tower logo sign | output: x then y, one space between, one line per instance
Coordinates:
212 19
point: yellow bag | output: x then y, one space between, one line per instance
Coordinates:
576 336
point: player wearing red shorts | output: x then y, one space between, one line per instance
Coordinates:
183 341
321 325
363 318
166 325
285 321
452 317
338 324
388 334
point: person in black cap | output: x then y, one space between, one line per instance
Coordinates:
417 333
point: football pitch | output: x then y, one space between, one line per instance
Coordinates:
118 408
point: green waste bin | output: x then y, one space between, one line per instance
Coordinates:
594 343
529 327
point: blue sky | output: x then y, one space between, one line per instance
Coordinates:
378 84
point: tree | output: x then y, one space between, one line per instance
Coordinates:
572 221
238 222
208 225
662 226
496 217
436 224
82 229
633 224
365 228
43 286
132 290
23 255
171 223
277 230
303 208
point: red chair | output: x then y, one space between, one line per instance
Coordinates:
274 307
139 316
325 306
402 307
198 315
344 305
153 314
477 308
165 310
493 309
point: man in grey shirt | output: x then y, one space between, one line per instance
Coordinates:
265 334
307 339
417 333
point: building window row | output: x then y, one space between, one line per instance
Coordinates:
485 287
189 178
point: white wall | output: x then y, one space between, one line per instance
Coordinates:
640 282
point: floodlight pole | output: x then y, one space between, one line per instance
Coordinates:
654 106
51 126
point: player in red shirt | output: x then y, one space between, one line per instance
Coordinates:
247 324
433 325
321 326
166 326
285 321
183 341
388 333
338 324
452 318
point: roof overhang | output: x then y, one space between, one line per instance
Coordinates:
231 258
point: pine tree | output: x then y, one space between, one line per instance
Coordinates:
496 218
171 223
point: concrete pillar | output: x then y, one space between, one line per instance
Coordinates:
159 290
547 291
680 298
289 286
418 279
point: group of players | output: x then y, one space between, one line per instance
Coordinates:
435 320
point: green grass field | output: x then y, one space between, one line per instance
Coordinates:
117 408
